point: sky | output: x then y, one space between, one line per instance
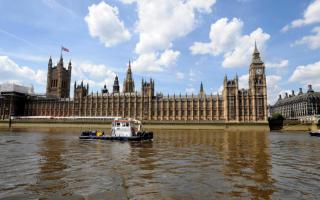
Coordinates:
178 43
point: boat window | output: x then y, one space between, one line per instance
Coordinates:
125 124
118 124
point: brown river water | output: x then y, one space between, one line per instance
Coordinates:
177 164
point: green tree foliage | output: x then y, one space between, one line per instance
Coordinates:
277 116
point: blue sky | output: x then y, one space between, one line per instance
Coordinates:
179 43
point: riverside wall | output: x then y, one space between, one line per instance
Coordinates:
149 125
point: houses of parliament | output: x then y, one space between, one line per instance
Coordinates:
233 105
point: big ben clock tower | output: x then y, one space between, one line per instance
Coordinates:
258 88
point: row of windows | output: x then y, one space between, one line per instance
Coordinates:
54 83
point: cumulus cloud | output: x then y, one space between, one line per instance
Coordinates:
244 81
273 88
226 38
154 62
307 74
103 22
312 41
281 64
97 75
11 72
160 22
310 16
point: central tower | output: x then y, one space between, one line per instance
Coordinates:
58 79
128 85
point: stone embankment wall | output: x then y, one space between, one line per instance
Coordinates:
153 125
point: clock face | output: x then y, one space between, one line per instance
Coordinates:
259 71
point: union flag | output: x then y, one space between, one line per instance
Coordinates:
64 49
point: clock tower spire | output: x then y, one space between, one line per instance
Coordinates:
258 87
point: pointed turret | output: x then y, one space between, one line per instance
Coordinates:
105 89
70 65
61 59
256 51
201 89
225 79
50 62
116 87
256 59
128 85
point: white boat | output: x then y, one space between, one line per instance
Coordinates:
315 133
121 129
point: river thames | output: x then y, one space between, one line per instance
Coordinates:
178 164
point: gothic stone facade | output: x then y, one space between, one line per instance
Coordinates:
234 105
298 106
58 80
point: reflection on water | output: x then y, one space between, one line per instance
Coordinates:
176 165
51 164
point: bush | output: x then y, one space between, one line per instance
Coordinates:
276 121
277 116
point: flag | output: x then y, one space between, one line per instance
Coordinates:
64 49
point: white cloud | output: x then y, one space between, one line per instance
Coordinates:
226 38
307 74
155 63
97 75
310 16
168 57
244 81
160 23
104 23
313 41
180 75
281 64
10 71
273 88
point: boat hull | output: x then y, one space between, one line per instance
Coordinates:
144 136
316 134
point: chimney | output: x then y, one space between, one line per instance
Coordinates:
292 93
286 95
280 97
300 91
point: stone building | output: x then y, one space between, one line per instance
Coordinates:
298 106
58 80
234 105
13 98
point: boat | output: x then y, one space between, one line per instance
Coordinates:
122 129
315 133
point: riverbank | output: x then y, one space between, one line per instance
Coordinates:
149 125
293 125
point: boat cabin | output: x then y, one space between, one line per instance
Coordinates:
125 127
